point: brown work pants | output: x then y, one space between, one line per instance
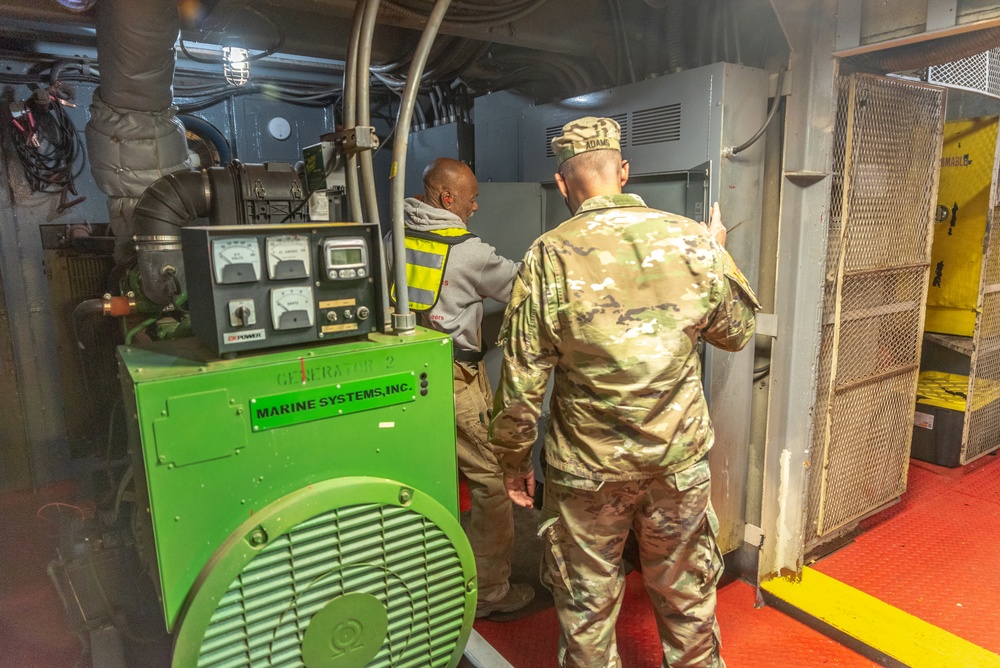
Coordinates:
491 526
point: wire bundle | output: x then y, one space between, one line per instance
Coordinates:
469 13
46 140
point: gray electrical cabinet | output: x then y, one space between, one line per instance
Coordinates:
675 132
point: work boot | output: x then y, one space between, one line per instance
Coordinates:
517 597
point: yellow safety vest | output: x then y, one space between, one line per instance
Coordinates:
426 259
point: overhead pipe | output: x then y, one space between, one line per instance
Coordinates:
673 20
350 113
364 111
403 320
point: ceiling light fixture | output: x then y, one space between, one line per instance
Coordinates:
236 65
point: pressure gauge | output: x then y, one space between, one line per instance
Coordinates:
236 260
292 307
288 257
346 258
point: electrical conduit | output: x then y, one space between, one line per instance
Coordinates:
403 320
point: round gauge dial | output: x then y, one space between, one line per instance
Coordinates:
288 257
292 308
236 260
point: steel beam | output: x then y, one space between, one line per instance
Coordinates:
31 335
804 223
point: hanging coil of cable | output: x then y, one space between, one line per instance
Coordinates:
48 145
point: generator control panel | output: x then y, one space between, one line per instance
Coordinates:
263 286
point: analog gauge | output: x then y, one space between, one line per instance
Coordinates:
288 257
292 308
236 260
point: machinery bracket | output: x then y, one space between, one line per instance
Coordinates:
352 141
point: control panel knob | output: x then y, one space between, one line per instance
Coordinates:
363 312
331 316
242 313
348 315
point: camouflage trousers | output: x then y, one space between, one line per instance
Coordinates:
584 528
491 524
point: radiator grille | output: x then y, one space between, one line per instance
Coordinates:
394 554
885 164
87 275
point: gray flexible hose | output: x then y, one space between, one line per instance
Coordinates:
350 113
402 319
364 110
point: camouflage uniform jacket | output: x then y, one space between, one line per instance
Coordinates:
614 301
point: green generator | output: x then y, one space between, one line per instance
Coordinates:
299 507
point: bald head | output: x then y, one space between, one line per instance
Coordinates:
450 185
591 174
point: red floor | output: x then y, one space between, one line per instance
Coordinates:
33 632
935 554
751 638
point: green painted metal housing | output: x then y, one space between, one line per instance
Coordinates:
278 484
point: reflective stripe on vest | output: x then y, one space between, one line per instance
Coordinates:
426 259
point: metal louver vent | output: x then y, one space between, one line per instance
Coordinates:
659 124
550 134
391 553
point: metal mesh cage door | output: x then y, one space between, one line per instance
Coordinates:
982 416
887 148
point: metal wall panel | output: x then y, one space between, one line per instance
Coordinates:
887 148
450 140
497 119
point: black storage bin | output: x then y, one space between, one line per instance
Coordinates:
937 435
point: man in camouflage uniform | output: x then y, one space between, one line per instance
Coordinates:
614 301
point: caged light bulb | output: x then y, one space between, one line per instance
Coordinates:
236 65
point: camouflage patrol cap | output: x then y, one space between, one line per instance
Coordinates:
586 134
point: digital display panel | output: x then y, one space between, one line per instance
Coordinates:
342 256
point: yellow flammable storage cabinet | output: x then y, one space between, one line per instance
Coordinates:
960 225
962 338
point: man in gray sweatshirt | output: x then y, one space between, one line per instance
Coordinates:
449 273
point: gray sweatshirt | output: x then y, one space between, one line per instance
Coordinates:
473 273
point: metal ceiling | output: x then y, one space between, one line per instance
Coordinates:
549 48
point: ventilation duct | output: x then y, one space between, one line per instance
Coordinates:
919 55
133 136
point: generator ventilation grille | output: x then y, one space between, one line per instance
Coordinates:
392 553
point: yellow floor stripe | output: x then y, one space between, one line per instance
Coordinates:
889 630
